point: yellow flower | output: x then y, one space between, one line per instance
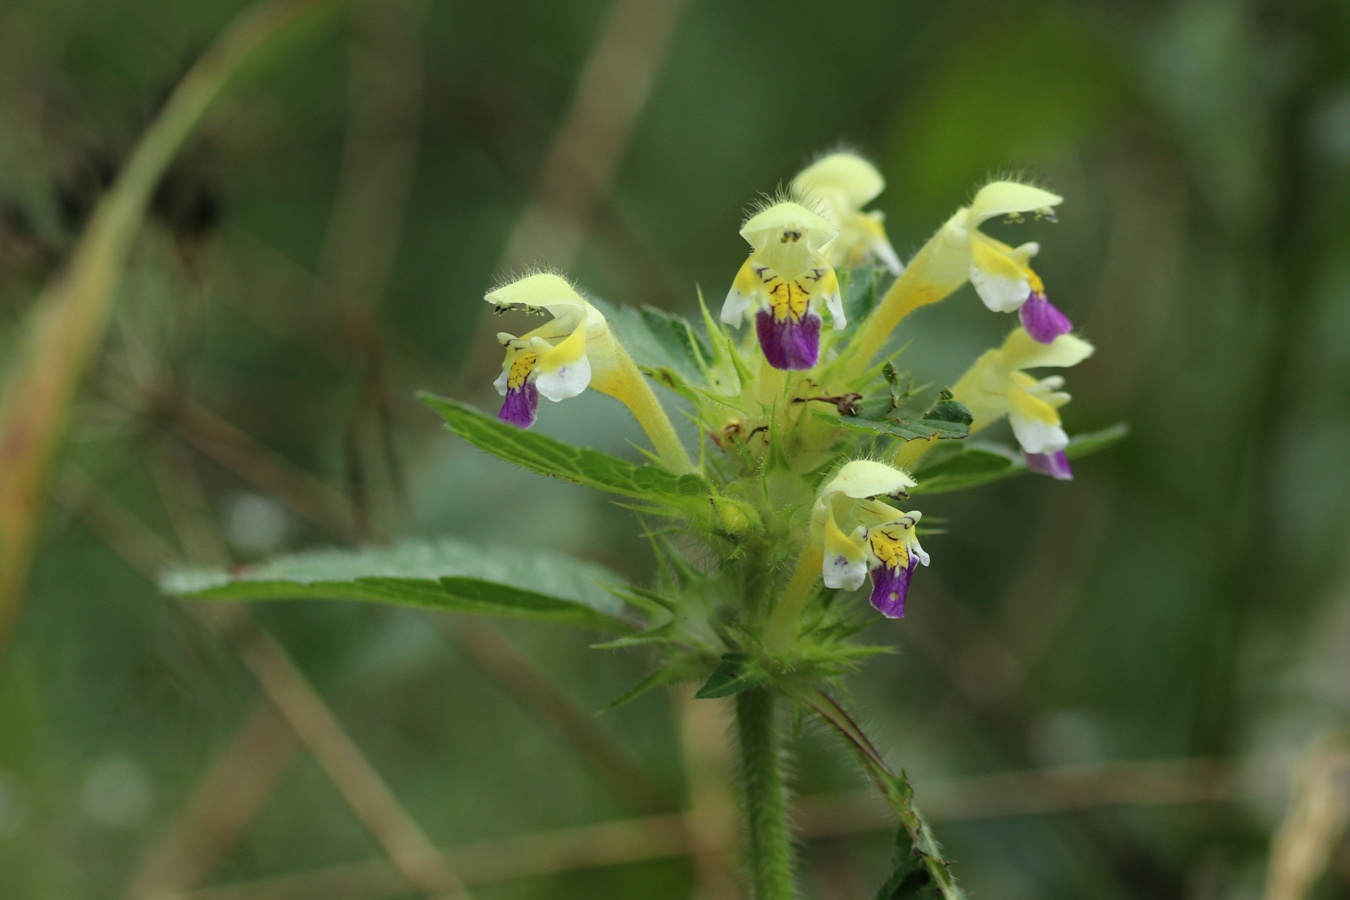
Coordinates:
787 278
842 184
1002 275
961 252
996 385
560 357
863 534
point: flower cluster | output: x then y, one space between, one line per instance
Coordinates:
794 416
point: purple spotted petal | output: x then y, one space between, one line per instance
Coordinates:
788 344
1056 465
1042 320
521 405
889 588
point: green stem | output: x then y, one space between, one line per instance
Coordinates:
765 794
918 849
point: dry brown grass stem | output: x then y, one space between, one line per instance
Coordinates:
586 149
290 693
1315 823
236 788
319 730
819 817
67 324
236 451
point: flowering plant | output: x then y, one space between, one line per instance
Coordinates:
796 482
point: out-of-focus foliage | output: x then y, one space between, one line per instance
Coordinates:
1187 598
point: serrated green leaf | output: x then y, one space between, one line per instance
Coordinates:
918 872
737 672
862 288
974 464
445 575
661 634
949 410
550 456
657 340
881 413
660 678
915 430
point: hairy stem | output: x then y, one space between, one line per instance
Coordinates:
765 795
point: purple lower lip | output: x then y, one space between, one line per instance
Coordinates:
1042 320
521 405
788 344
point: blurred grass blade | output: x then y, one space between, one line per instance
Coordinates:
66 325
1319 811
443 575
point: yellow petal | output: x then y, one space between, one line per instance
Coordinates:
542 290
1021 351
563 370
888 546
999 278
853 179
864 478
520 361
983 389
1027 405
566 352
744 288
1001 198
787 237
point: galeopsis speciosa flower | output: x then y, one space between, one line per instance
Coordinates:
997 385
1002 275
863 534
842 184
785 281
560 357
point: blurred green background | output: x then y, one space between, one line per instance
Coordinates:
1103 689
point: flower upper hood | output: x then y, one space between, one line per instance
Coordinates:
843 183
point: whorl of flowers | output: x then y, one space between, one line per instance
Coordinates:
794 419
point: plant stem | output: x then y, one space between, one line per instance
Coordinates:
765 795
